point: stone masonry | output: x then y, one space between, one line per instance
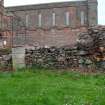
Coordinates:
44 25
53 24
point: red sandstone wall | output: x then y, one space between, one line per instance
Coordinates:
6 30
47 35
53 37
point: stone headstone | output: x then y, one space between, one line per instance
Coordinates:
18 56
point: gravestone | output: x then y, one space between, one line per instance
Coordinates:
18 57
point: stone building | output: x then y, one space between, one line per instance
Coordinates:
52 24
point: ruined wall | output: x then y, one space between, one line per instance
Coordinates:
53 37
59 58
88 53
5 60
54 24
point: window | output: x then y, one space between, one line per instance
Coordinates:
53 19
27 20
82 18
40 20
67 18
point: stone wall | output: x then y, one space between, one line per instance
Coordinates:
59 58
51 37
1 15
30 14
92 12
87 53
5 60
81 14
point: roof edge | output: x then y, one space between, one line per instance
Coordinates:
46 5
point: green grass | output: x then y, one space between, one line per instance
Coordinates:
51 88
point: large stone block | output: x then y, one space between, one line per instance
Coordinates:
18 57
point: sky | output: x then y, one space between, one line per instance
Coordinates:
101 6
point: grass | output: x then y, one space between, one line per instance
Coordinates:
45 87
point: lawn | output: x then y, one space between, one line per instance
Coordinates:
46 87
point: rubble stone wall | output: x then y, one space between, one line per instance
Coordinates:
63 58
5 60
88 52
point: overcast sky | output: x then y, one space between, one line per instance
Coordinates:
101 6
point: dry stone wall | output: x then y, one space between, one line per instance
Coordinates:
59 58
5 60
